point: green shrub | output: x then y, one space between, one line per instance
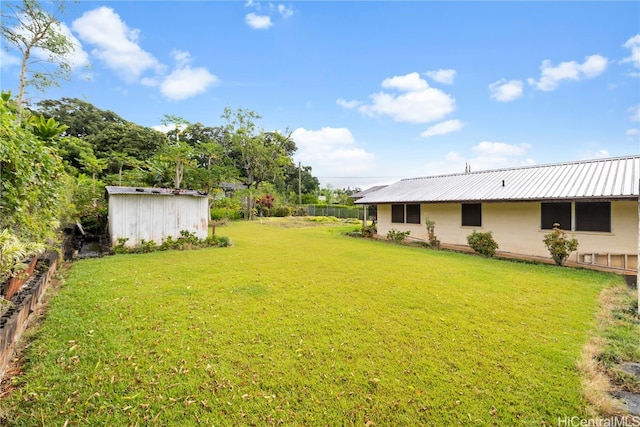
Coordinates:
559 245
299 211
226 213
369 230
281 211
120 247
13 253
431 234
187 240
482 243
397 236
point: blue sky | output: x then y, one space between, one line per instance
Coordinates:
373 91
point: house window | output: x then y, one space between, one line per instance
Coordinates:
555 213
397 213
409 214
586 216
472 215
413 214
593 216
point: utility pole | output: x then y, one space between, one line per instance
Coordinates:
299 183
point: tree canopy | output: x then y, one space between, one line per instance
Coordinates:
37 35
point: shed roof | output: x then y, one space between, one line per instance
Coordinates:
112 189
612 179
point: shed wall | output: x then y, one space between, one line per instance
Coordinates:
154 217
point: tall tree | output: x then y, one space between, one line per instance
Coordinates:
103 129
258 155
300 179
31 29
82 118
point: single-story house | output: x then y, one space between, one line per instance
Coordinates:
596 201
155 214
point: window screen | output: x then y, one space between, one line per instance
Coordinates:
413 214
397 213
551 213
593 216
472 214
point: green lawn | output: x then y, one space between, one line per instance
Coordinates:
305 326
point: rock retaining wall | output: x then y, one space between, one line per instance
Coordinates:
28 298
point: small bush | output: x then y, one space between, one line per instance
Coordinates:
483 243
369 230
397 236
559 245
186 241
225 213
281 211
431 234
120 247
300 211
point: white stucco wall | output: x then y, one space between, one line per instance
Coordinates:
516 227
155 217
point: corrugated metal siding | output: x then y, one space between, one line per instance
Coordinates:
594 179
155 217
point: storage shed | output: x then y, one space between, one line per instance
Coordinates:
155 214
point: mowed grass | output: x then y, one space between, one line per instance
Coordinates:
305 326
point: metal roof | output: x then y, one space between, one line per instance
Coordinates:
112 189
615 178
363 193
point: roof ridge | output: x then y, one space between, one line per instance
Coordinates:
608 159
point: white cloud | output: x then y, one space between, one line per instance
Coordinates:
409 83
634 113
322 139
634 44
442 76
77 58
115 44
286 12
186 82
500 149
258 22
496 155
348 104
7 60
443 128
331 152
181 57
550 76
417 102
506 91
488 155
590 155
165 128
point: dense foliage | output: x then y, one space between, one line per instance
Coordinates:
33 183
236 158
